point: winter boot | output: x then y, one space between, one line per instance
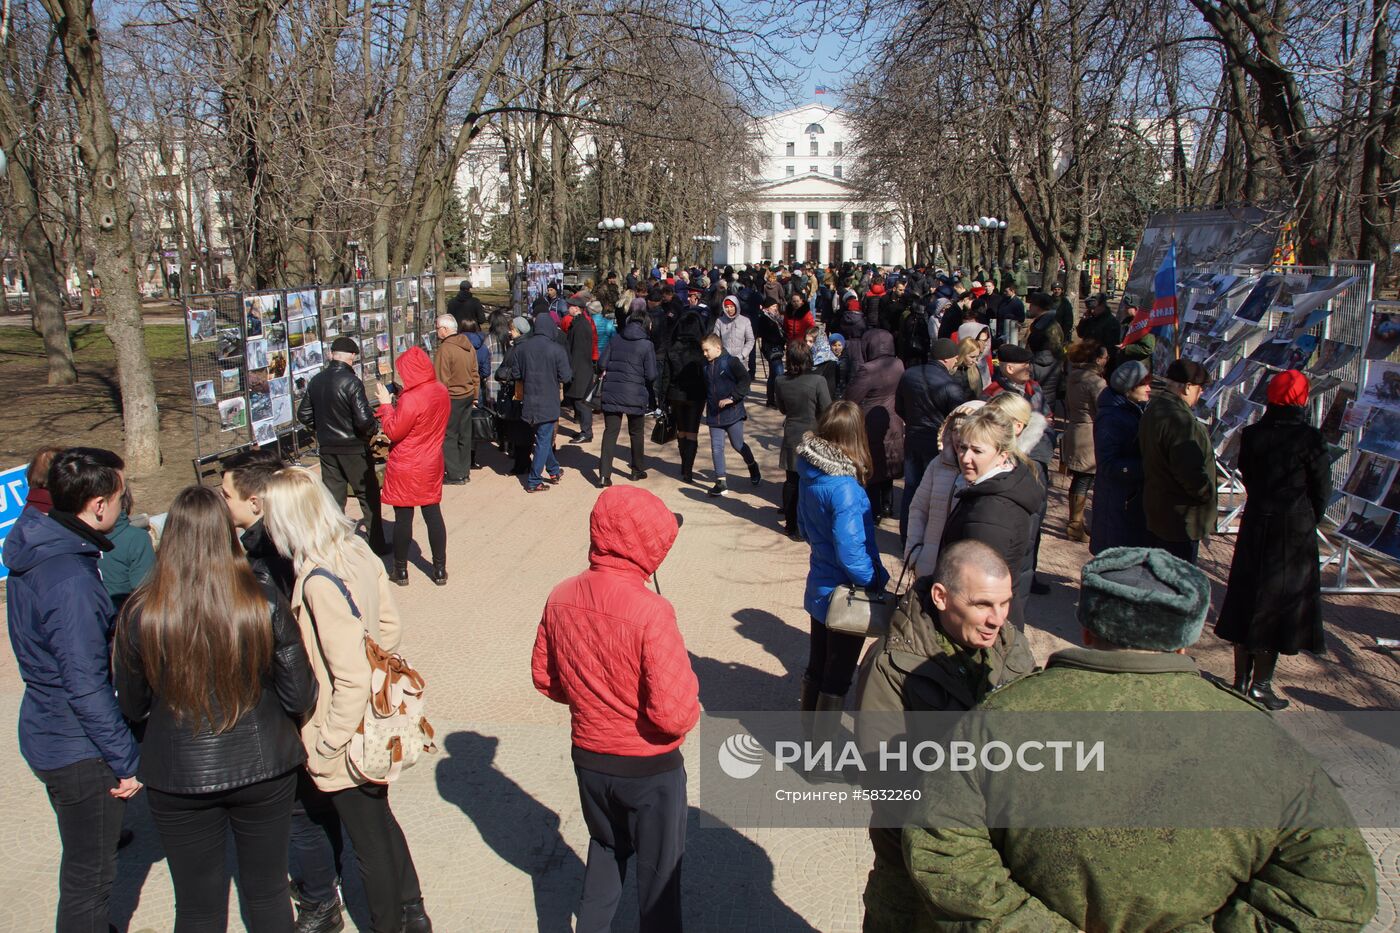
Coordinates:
415 919
1075 529
807 704
718 489
320 918
688 447
1262 691
1244 664
755 476
400 574
440 571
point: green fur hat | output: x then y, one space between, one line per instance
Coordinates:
1143 598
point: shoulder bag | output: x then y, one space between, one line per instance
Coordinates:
394 732
853 611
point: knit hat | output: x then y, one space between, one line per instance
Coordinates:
522 324
1288 388
1127 377
1143 598
1010 353
944 349
836 338
345 345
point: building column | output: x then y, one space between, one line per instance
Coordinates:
777 238
821 238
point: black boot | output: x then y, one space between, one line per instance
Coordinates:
755 476
400 574
1262 691
320 918
688 448
415 919
807 704
1244 664
440 571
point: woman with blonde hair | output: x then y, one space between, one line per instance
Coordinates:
971 360
1001 500
933 500
833 514
1033 441
341 595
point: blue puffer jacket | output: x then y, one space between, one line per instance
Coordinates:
1117 518
833 513
725 377
60 629
483 356
629 371
606 329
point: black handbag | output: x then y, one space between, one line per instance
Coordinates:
664 431
483 425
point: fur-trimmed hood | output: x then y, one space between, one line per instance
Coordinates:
825 456
1032 433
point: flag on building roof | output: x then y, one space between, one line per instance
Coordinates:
821 88
1162 314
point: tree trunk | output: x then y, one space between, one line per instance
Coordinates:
109 206
1376 214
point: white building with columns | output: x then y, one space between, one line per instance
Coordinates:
803 207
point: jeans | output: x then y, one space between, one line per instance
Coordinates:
644 816
1080 483
194 829
775 370
544 461
735 434
89 824
403 531
355 471
386 865
316 843
457 443
612 424
831 661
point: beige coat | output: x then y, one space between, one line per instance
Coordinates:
1081 408
338 658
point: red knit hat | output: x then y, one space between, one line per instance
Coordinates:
1288 388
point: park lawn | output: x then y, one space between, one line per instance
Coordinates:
164 342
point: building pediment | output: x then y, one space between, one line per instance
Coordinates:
808 185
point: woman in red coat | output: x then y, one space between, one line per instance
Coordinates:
416 423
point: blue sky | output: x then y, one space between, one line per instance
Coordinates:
821 56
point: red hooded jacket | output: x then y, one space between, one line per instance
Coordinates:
609 647
416 424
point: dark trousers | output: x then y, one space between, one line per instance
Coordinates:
457 443
316 844
355 472
583 411
881 493
915 463
831 662
89 824
386 866
1186 550
612 424
790 500
644 816
403 531
194 830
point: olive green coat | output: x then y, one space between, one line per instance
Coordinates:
1115 880
917 668
1178 468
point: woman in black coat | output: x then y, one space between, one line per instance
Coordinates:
629 376
802 396
874 388
582 344
686 393
1117 518
999 500
1273 604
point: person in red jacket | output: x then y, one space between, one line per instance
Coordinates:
416 423
609 648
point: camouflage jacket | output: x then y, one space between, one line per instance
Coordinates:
1108 879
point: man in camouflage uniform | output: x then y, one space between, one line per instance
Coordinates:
1309 870
948 647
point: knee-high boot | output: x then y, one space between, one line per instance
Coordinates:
1075 530
1262 690
689 447
1244 665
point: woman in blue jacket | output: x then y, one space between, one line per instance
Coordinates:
629 371
726 384
833 513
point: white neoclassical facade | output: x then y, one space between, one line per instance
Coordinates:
804 209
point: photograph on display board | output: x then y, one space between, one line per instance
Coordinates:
307 357
399 290
276 387
1381 435
203 325
204 393
281 409
1356 417
230 381
276 336
1382 388
381 342
233 414
1384 337
272 309
252 317
384 367
301 304
264 432
259 395
1365 522
1333 355
348 325
330 299
1259 395
1391 499
298 330
368 347
1256 304
257 354
1311 307
277 363
230 343
401 344
380 299
1293 284
1332 426
330 328
1388 541
1370 477
347 297
300 382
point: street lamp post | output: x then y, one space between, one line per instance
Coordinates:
700 242
609 227
354 247
644 228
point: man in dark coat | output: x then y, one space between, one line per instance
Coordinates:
1117 519
582 344
466 306
541 365
927 394
1046 342
1063 308
1100 324
947 648
893 306
1178 463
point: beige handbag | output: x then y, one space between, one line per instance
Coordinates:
853 611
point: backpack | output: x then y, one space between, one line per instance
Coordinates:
394 732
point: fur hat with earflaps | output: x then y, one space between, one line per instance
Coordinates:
1143 598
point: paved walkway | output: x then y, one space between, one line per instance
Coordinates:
494 822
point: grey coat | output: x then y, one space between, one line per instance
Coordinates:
803 399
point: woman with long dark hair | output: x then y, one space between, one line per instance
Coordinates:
213 663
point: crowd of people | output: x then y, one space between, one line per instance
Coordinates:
227 672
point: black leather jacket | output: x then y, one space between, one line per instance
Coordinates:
335 407
268 564
263 744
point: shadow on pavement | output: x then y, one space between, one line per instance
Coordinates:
727 883
518 828
134 863
782 640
